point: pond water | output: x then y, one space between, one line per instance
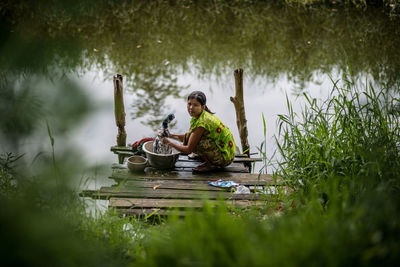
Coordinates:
165 50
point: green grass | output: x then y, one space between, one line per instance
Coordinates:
355 134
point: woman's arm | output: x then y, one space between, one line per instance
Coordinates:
178 137
192 143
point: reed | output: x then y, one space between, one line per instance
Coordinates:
354 134
341 157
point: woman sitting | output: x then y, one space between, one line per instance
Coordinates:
208 137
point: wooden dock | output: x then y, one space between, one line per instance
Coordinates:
160 192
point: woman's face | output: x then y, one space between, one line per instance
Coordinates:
194 107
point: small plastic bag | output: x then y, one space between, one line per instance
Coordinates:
241 189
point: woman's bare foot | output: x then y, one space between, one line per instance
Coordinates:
205 167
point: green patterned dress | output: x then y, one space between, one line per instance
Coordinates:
217 144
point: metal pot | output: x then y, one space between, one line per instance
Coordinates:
160 161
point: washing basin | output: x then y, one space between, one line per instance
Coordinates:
160 161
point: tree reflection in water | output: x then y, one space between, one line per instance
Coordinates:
151 43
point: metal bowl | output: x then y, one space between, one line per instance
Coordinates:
160 161
137 163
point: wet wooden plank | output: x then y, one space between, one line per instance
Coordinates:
186 159
192 164
121 148
239 169
187 166
108 192
174 203
241 178
115 149
127 151
170 184
152 212
179 184
236 159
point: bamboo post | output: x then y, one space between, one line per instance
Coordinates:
119 111
241 121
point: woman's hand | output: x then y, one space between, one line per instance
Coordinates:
164 133
165 141
168 133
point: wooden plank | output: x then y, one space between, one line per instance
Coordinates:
154 211
167 191
160 191
195 163
174 203
171 184
241 178
121 148
179 184
128 148
231 169
186 159
187 166
107 193
245 155
127 151
236 159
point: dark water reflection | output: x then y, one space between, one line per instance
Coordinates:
153 43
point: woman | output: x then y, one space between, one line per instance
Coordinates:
208 137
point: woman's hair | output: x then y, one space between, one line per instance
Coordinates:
201 97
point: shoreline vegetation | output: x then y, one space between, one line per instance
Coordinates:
341 157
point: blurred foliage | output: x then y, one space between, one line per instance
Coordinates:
7 175
391 5
356 236
27 101
20 109
44 222
56 231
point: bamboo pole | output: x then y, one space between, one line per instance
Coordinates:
241 120
119 111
